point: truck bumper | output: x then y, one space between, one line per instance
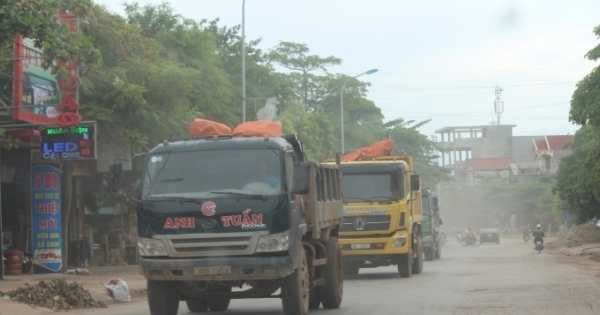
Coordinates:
242 268
378 245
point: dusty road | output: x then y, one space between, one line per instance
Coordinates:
510 278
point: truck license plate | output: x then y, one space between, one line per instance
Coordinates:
489 235
360 246
205 271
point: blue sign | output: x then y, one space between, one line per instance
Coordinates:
46 217
566 216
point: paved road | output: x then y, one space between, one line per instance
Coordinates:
510 278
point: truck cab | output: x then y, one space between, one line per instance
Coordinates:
222 212
382 215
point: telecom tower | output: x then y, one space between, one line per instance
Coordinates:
498 104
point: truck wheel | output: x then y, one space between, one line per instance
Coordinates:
219 305
161 299
429 253
438 251
197 306
333 290
295 289
350 270
405 264
418 261
314 298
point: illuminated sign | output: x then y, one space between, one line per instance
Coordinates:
68 143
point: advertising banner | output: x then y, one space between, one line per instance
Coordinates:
68 143
46 218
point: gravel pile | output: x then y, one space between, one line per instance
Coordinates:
56 295
578 235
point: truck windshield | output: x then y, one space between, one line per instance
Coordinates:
372 187
213 173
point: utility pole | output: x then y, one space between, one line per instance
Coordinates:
244 61
498 104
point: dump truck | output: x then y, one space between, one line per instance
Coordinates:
382 214
225 217
431 225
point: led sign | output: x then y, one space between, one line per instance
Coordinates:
68 143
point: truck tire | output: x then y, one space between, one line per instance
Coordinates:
405 264
295 289
438 250
333 290
418 261
314 298
161 299
197 306
219 305
429 253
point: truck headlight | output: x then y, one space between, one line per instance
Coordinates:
151 247
274 242
400 242
428 238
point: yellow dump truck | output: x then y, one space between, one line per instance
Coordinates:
382 215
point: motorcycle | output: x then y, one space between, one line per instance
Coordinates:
470 241
526 237
538 245
26 263
443 238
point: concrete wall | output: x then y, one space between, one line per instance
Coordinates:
522 150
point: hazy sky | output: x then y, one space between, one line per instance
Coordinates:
437 60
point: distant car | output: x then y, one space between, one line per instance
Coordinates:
490 235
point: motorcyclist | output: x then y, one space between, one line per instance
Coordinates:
538 235
469 234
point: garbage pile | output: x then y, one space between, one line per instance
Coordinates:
582 234
56 295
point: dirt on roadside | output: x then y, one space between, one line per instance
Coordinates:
577 236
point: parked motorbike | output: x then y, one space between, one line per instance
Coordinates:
538 245
470 241
27 263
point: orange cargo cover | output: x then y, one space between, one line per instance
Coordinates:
381 148
258 129
203 127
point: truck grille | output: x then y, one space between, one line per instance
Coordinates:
367 223
211 244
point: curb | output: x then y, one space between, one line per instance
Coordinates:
103 296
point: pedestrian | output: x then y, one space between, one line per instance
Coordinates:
595 220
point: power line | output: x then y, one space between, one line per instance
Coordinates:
479 71
469 87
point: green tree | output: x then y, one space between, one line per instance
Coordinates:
579 174
136 93
39 20
189 45
314 129
578 182
305 85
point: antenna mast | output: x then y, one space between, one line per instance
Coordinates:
498 104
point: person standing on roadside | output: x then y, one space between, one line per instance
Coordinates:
595 220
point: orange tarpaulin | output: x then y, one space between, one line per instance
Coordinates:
203 127
381 148
258 129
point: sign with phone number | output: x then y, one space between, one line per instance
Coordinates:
46 217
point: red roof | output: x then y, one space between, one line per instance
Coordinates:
540 144
491 164
558 142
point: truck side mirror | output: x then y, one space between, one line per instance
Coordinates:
301 184
115 171
415 182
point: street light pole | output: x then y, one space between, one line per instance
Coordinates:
243 61
342 102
